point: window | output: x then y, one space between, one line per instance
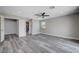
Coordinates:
43 24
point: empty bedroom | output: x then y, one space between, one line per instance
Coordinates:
39 29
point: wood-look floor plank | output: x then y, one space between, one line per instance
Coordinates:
38 44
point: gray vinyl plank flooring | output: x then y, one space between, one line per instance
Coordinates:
38 44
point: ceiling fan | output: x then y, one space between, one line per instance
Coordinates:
43 15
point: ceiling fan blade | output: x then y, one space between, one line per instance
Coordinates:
37 14
46 15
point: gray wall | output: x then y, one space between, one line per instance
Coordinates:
65 26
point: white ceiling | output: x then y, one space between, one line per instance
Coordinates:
29 11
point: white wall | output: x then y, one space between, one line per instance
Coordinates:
22 28
35 27
1 28
66 26
30 26
10 26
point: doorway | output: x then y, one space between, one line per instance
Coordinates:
27 27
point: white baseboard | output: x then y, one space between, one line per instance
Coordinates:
62 36
35 33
